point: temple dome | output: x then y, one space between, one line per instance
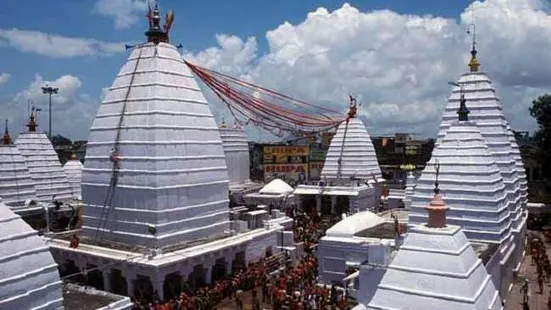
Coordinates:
16 184
486 110
29 277
276 187
359 159
73 170
172 182
436 267
471 184
44 166
236 149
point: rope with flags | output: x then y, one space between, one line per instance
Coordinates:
265 108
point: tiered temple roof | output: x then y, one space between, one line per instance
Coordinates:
155 172
29 278
73 170
520 167
411 181
436 268
353 148
236 149
43 163
471 183
16 185
486 110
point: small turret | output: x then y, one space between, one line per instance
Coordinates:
6 139
156 33
463 111
32 122
437 207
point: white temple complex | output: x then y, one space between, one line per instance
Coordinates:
16 184
73 170
29 278
49 178
436 267
155 184
480 176
350 172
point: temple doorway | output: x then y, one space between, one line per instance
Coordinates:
219 269
238 262
94 277
144 288
71 269
118 283
326 205
308 203
172 285
342 205
196 278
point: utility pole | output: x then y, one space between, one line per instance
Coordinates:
50 91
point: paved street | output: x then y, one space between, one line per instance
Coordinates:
538 300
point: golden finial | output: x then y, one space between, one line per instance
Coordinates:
473 64
32 123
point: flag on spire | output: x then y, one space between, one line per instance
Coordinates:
149 15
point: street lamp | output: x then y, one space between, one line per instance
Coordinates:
50 91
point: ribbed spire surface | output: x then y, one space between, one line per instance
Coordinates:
486 110
29 278
157 128
73 170
16 184
44 166
236 149
352 146
470 183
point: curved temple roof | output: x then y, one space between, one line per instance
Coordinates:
29 277
44 166
359 159
73 170
486 110
236 149
470 182
157 127
16 184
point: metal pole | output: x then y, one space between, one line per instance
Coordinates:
50 118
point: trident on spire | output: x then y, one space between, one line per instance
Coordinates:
473 64
437 168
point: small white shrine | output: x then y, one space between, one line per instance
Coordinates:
73 170
436 267
277 194
49 178
351 176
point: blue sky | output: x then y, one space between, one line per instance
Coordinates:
197 23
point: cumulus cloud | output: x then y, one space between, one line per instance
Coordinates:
124 13
56 46
72 110
397 65
4 78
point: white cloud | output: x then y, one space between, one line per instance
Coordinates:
72 110
4 78
56 46
125 13
397 65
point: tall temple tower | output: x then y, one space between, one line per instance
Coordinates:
155 173
486 110
50 180
16 184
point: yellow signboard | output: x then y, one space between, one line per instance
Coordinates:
315 170
285 154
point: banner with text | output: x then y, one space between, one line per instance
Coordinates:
293 174
315 170
286 154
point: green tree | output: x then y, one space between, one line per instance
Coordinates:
541 112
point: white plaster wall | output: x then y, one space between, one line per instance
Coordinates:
256 248
236 148
16 184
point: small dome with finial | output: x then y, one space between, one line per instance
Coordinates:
463 111
32 122
437 207
156 33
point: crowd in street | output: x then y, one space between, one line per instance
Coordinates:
294 287
540 259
